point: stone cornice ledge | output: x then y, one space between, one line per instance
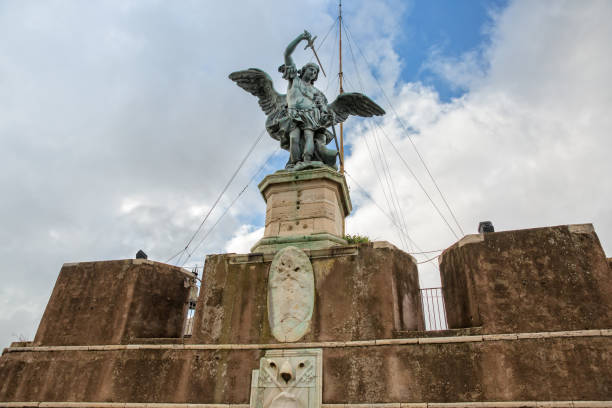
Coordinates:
184 271
324 344
483 404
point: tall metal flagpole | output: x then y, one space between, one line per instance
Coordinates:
341 90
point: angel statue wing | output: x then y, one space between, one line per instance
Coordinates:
258 83
353 103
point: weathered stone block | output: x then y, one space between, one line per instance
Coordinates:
547 369
307 203
110 302
542 279
290 294
288 378
362 294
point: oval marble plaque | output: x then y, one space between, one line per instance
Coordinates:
290 294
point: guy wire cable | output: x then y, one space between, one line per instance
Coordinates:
391 200
368 196
418 181
218 198
384 163
394 195
409 137
230 206
383 157
365 138
350 40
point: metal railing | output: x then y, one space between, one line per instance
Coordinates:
434 311
194 291
189 323
432 302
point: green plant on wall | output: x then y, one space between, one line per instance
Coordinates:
356 239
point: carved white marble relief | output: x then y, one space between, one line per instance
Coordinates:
290 294
288 379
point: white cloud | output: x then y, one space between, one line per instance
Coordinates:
119 128
118 124
244 238
526 146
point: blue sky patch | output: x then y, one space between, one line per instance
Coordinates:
451 27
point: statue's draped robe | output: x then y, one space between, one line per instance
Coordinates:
280 123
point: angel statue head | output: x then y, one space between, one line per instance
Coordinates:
311 71
300 119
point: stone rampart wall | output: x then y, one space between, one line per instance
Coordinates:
110 302
523 296
520 367
541 279
362 292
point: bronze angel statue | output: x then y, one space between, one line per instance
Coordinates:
301 118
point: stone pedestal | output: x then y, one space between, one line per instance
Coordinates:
362 292
305 209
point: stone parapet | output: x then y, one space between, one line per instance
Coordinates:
479 404
530 311
110 302
304 208
362 292
508 370
541 279
438 337
312 241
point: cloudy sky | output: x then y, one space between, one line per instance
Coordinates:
119 127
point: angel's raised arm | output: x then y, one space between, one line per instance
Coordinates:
291 47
